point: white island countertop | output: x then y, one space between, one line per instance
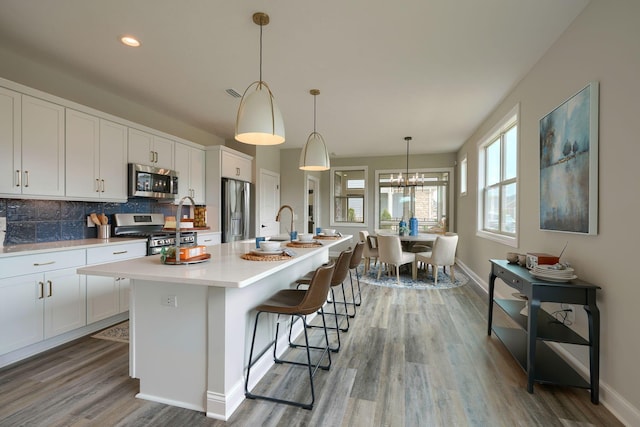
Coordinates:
226 268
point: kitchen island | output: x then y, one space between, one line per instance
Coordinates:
191 324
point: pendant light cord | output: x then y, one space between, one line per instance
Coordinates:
406 178
314 113
261 52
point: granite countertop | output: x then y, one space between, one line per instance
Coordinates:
63 245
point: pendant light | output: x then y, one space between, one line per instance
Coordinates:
314 155
259 121
407 181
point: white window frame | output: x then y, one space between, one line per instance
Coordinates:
507 122
450 191
463 176
365 206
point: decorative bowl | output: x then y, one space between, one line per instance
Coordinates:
328 231
512 257
306 237
269 246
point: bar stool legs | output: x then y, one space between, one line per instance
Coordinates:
312 368
296 303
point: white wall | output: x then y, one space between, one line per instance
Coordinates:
601 45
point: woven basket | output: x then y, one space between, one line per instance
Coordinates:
327 237
304 244
252 257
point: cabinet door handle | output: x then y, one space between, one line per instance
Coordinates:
41 294
38 264
19 176
208 240
26 178
151 156
50 288
237 171
102 182
155 154
120 252
97 185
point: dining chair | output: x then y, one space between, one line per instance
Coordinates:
370 249
443 254
391 254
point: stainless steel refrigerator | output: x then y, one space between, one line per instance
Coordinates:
236 210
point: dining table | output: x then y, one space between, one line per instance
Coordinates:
408 242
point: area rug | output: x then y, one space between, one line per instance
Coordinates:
119 332
424 280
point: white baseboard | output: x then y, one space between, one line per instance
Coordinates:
619 406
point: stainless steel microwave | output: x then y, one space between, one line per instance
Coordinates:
152 182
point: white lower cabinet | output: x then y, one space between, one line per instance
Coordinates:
103 298
107 296
38 306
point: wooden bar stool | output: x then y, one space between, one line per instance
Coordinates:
298 303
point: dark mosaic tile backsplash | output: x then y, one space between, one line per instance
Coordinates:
37 221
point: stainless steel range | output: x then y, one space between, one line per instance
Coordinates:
150 226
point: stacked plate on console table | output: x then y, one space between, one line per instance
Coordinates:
554 273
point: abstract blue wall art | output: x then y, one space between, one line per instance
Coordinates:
569 165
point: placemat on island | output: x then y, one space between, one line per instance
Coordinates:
326 237
304 244
252 257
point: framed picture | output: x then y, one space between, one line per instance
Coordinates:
569 165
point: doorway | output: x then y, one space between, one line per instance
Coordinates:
312 209
269 203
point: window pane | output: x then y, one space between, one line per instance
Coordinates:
493 163
509 208
349 191
491 208
355 212
463 176
511 153
427 203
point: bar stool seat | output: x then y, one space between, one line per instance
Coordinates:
299 303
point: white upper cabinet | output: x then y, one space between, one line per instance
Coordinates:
96 155
10 163
148 149
189 162
31 146
42 147
236 166
113 160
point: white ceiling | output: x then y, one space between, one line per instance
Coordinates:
432 69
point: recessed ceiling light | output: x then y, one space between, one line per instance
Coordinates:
130 41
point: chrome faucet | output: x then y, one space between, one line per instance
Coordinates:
178 216
280 210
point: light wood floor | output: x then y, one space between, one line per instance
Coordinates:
411 358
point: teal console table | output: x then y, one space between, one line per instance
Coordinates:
528 345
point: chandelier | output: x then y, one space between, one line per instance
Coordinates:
407 180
